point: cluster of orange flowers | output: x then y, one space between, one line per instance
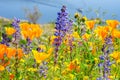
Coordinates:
9 52
30 31
103 31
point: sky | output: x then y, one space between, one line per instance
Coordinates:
15 8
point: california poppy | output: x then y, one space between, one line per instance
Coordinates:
30 31
115 33
2 50
2 68
112 23
10 30
115 55
11 52
90 24
86 36
102 32
40 56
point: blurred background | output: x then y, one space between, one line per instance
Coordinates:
105 9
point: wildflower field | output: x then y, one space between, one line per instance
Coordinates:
69 49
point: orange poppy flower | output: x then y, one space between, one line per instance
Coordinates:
10 30
112 23
11 76
90 24
115 55
24 26
2 68
20 53
24 34
115 33
102 32
30 31
72 66
2 50
11 52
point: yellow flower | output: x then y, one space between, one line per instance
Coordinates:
111 77
22 60
75 35
115 55
40 56
10 30
90 24
32 69
86 36
77 15
85 78
112 23
56 78
71 76
85 18
118 61
2 68
115 33
96 60
42 47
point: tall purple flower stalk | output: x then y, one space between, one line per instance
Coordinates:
43 69
17 37
27 47
63 24
105 60
17 34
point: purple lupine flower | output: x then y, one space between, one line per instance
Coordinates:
100 78
16 41
16 22
102 57
27 47
107 49
63 24
5 39
43 68
100 64
17 34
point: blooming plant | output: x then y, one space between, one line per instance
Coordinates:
78 49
